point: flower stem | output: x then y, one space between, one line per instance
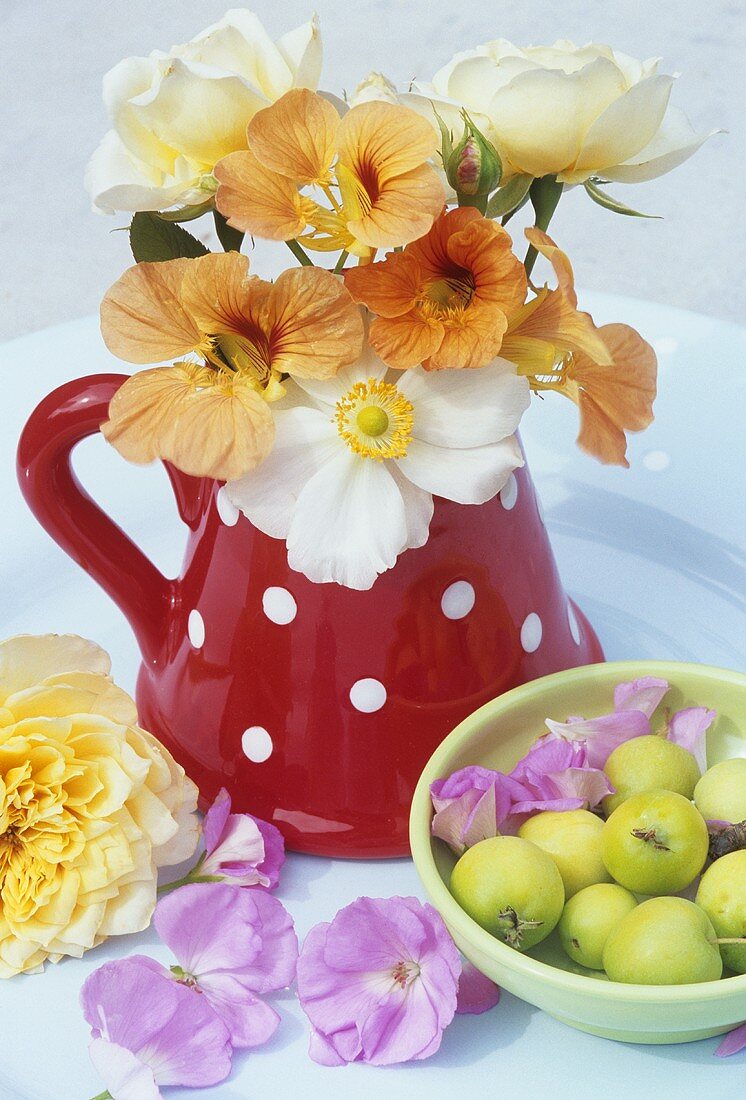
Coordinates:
341 261
105 1095
300 254
545 193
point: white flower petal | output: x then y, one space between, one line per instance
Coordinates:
238 43
542 140
115 180
466 408
418 508
627 125
305 440
303 53
674 143
329 391
125 1076
349 524
466 476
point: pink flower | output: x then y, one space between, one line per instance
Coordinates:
245 849
688 728
471 805
148 1031
644 695
556 774
474 803
602 735
476 992
231 945
732 1043
378 983
634 705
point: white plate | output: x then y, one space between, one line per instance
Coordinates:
652 556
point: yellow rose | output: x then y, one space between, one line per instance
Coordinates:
564 110
90 805
175 115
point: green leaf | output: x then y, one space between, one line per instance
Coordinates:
509 197
186 213
230 238
154 240
610 203
446 139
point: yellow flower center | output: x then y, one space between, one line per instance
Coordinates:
447 298
375 420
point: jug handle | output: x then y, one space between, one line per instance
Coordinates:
66 511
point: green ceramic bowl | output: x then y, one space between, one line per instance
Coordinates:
496 736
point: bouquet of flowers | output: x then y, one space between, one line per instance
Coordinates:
393 362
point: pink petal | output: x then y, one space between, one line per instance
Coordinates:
349 989
465 779
249 1020
125 1076
588 784
467 819
208 927
550 754
169 1027
732 1043
644 694
215 820
542 805
401 1027
274 967
239 852
324 1048
476 992
688 728
274 850
602 735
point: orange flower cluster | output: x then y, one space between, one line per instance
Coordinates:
451 295
370 165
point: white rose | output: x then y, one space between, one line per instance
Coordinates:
567 110
175 114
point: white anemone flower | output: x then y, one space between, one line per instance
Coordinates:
358 458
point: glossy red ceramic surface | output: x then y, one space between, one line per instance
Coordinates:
255 678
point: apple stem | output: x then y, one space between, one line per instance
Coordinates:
513 934
731 939
650 837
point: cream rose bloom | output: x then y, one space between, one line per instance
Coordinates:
90 805
174 115
573 111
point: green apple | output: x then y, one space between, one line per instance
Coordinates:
722 895
655 843
511 888
646 764
589 918
573 839
720 795
663 941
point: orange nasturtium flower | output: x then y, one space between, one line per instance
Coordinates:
445 300
370 165
211 417
609 372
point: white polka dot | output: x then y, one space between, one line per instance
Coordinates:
509 493
226 509
257 744
656 461
531 632
572 620
196 629
367 696
279 606
458 600
665 345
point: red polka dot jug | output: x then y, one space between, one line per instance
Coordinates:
315 705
